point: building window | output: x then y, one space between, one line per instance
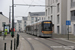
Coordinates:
25 25
19 24
48 11
51 9
48 18
39 18
19 27
58 29
32 21
32 18
48 2
72 3
58 7
3 23
51 18
57 19
53 1
36 19
73 15
24 21
42 18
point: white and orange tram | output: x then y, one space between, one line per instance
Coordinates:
41 28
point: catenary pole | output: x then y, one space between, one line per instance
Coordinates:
9 18
12 18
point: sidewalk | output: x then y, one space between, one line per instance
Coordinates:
23 45
7 41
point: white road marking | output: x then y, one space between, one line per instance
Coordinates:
29 38
42 38
36 38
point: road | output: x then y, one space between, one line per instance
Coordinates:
39 43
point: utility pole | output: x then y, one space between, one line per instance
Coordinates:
12 18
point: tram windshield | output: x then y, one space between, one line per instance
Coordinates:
46 26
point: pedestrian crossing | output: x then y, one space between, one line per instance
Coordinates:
34 38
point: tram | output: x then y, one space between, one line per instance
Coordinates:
41 28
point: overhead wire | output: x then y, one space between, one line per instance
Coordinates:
29 6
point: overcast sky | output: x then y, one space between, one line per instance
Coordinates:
21 10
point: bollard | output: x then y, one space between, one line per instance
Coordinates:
14 43
3 36
11 45
74 49
4 46
17 40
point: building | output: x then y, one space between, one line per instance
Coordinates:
15 26
71 15
56 11
19 25
3 20
24 23
36 16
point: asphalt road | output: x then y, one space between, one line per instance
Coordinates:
39 43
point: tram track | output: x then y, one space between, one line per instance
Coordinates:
48 46
32 48
52 41
48 40
44 44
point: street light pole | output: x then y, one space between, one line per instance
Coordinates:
12 18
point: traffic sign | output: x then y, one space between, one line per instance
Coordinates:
68 22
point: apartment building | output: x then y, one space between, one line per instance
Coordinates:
19 25
56 11
71 15
24 23
3 20
36 16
